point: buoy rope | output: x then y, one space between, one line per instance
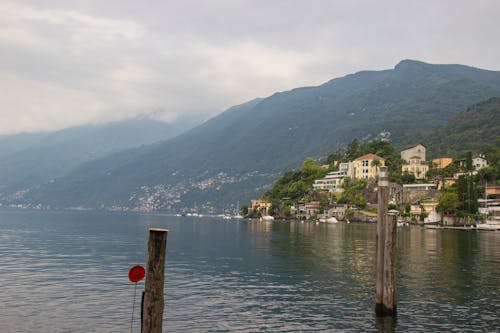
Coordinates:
133 308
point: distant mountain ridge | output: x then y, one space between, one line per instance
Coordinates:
28 160
233 156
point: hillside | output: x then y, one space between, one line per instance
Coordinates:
232 156
473 130
28 160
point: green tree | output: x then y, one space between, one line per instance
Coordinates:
376 163
467 194
295 184
448 202
468 161
408 178
353 149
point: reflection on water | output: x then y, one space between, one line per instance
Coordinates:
67 272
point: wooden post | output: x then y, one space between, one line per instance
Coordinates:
389 297
383 200
152 320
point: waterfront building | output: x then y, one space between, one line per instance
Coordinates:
308 210
261 206
337 210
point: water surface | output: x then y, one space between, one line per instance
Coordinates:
67 272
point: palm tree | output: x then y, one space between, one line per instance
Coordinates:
376 163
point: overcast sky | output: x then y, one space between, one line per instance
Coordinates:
65 63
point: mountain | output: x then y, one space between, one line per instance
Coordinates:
236 154
475 129
31 159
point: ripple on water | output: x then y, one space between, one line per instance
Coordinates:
67 272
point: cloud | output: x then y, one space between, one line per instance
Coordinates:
68 63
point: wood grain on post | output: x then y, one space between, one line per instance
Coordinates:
152 320
389 297
383 200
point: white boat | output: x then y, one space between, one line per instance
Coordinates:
237 214
267 218
489 225
328 220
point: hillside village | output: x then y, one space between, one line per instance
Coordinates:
442 190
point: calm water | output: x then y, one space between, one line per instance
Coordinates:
67 272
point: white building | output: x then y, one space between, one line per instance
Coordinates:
419 187
479 162
333 181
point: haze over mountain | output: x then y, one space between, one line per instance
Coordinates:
234 155
31 159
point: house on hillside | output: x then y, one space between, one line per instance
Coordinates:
478 162
442 162
446 182
415 163
333 181
366 166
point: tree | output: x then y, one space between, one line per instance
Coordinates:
467 194
468 161
352 151
448 202
376 163
408 178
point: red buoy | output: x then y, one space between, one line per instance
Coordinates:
136 274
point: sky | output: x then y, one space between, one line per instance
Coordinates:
67 63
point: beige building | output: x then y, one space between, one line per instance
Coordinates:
308 209
415 163
365 167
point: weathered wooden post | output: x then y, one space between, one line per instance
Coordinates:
383 200
155 278
389 297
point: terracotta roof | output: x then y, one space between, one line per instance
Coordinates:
370 157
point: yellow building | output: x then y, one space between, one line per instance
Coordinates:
365 167
258 205
446 182
442 162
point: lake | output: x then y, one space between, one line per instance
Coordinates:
68 272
